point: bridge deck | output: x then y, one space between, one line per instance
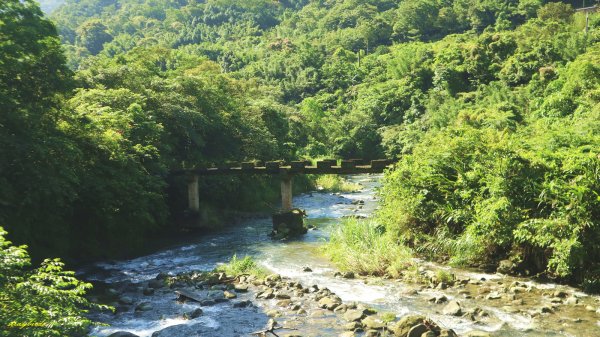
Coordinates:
296 167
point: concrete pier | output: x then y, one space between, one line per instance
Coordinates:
286 192
193 193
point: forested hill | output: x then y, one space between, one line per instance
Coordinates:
491 106
353 68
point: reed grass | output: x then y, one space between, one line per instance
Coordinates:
335 183
364 247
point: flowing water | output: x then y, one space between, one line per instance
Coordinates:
288 259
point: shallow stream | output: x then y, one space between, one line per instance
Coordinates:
518 315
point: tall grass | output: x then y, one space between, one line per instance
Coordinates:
335 183
237 266
364 247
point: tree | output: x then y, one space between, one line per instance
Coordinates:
37 169
93 34
556 11
40 302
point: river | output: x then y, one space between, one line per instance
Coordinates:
204 252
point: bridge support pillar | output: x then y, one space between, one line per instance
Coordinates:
193 194
286 192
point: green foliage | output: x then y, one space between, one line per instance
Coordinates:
365 247
237 266
491 107
335 183
42 301
93 35
502 181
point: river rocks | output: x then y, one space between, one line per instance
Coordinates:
313 289
242 304
161 276
148 291
229 295
273 313
216 295
306 269
348 275
126 300
556 300
353 326
267 294
122 334
208 303
453 308
329 303
341 308
112 292
493 296
417 330
284 303
403 326
560 294
144 306
240 288
282 296
185 330
447 333
318 313
156 284
438 299
193 314
273 278
506 267
372 333
373 323
354 315
572 300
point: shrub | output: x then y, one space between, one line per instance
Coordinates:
335 183
40 302
364 246
237 266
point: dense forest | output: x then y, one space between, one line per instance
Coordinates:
492 109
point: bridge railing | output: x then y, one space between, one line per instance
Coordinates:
329 166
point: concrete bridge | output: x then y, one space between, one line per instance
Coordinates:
284 170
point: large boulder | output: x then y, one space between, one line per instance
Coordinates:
329 303
122 334
403 326
417 330
373 323
452 309
354 315
506 267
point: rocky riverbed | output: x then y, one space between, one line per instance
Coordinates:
261 306
247 304
468 302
